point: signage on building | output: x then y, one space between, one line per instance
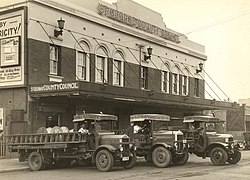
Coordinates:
1 118
10 74
11 70
10 27
54 87
10 51
137 23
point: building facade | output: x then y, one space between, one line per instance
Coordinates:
106 58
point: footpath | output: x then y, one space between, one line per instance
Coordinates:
12 165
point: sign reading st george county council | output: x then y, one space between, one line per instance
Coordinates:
54 87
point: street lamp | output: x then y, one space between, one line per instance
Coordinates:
60 26
200 68
150 50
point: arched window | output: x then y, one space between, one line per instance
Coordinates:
118 69
165 77
176 80
185 81
82 61
101 67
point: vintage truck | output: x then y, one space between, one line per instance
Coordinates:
100 145
204 140
154 141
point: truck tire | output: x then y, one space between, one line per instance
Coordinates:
161 157
218 156
234 158
181 159
35 161
131 162
104 160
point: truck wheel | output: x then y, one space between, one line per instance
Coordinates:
35 161
131 162
161 157
234 158
181 159
218 156
104 160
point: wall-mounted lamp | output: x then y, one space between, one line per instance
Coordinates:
200 68
146 57
60 26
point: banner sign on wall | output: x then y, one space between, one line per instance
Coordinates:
1 118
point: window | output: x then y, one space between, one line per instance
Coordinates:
184 85
117 73
175 83
144 77
100 69
54 60
165 81
196 87
82 65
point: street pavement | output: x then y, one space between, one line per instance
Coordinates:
13 165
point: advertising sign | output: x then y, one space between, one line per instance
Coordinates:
11 47
10 27
10 51
1 119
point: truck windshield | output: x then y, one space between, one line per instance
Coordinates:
104 126
160 126
214 127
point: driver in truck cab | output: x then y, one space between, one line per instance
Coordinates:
83 128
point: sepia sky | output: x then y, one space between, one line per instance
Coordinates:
223 27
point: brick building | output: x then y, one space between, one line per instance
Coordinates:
106 58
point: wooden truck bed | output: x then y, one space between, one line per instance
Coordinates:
45 141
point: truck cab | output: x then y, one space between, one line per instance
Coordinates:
205 139
156 142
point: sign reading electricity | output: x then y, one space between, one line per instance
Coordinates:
137 23
10 27
54 87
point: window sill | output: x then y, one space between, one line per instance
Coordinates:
55 78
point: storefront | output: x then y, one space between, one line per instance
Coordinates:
90 57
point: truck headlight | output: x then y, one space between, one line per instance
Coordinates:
226 140
121 148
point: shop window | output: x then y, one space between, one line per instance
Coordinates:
175 84
185 82
117 73
165 81
54 60
144 78
196 87
82 66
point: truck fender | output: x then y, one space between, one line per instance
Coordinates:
110 148
167 146
217 144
